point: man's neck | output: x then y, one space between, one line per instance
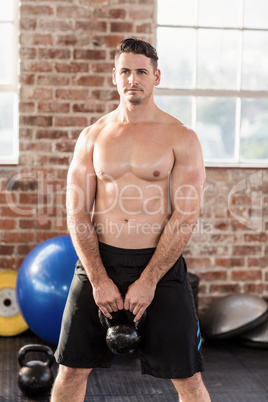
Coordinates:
129 113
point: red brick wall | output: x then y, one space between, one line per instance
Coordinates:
229 248
66 51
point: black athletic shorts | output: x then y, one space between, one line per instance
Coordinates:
171 339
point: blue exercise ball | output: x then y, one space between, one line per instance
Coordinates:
43 284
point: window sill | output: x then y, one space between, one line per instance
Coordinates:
237 165
9 161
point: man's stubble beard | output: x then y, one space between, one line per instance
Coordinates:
135 101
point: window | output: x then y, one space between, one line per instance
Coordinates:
8 82
214 61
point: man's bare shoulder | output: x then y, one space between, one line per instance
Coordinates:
179 132
183 140
91 132
88 135
84 148
188 157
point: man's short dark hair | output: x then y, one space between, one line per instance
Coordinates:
137 46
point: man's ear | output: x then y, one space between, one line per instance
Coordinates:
157 77
114 76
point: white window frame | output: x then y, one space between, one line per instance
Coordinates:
234 94
13 87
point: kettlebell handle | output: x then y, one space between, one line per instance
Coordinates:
35 348
106 321
108 324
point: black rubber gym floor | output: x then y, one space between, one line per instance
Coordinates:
233 373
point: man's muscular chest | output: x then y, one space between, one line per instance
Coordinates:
146 154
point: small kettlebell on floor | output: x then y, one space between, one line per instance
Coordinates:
35 377
122 334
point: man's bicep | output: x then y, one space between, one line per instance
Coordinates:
186 193
81 180
187 181
81 188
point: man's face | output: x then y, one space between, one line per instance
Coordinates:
135 77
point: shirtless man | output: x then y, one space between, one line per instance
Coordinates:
134 190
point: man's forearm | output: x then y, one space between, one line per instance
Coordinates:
86 244
170 246
106 294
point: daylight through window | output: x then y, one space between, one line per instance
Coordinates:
214 62
8 82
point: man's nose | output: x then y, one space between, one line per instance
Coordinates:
132 78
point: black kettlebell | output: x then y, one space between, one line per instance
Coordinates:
122 334
35 377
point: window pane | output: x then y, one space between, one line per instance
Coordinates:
256 14
6 10
255 61
217 59
216 127
176 51
176 12
223 13
6 51
178 106
254 129
8 123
